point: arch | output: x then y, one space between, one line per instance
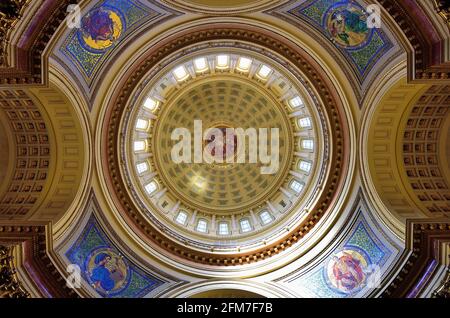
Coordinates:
224 288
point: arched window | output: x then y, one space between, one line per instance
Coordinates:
304 122
304 165
151 187
141 167
245 225
296 186
181 217
265 217
296 102
224 228
139 145
308 144
202 226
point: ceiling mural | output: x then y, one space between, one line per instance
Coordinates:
107 269
103 29
202 148
345 25
347 28
356 266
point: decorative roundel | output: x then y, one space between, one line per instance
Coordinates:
100 29
347 25
107 271
347 271
240 108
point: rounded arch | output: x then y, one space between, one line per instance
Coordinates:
400 130
229 288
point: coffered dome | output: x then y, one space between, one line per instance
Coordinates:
200 148
233 203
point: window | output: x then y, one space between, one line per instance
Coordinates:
304 122
245 225
180 73
151 187
296 101
141 167
304 166
244 64
202 226
200 64
264 71
151 103
141 124
223 228
308 144
181 217
265 217
296 186
139 145
222 61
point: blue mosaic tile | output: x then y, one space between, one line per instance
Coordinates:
102 29
344 23
349 269
105 269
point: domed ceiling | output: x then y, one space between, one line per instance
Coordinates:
257 177
203 148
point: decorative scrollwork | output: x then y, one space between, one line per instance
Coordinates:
10 287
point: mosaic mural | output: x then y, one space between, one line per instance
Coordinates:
355 267
105 269
345 24
101 30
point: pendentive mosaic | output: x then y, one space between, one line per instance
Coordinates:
105 268
355 267
345 24
101 30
